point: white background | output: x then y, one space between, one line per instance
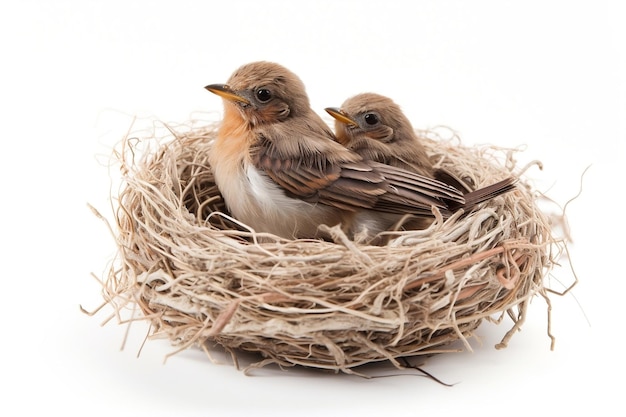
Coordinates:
548 76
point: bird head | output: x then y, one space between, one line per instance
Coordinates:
263 93
368 118
376 128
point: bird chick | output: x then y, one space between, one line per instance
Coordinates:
375 127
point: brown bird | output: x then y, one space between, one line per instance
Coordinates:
375 127
281 170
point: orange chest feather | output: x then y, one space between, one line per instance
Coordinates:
232 142
232 167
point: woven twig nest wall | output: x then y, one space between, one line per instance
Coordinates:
198 276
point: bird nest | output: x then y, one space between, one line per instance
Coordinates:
198 276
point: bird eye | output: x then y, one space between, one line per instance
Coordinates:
371 119
263 95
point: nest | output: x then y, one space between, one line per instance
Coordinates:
198 276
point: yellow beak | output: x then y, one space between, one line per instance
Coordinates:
226 92
341 116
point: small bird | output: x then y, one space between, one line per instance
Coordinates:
281 169
375 127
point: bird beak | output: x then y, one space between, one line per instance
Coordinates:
227 93
341 116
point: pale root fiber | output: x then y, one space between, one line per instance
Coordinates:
198 276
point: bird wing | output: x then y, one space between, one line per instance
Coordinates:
318 180
473 198
414 193
350 183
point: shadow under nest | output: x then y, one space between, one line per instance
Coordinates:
199 276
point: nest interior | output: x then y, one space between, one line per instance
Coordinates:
200 276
